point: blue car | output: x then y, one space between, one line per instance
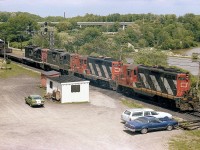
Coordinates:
148 123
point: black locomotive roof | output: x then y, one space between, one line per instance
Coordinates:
162 69
109 59
66 78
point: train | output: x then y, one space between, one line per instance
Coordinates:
168 85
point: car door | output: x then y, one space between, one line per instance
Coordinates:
156 124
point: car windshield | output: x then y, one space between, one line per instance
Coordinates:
36 97
142 120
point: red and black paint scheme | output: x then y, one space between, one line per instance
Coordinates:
157 82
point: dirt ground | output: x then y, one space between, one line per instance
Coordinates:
87 126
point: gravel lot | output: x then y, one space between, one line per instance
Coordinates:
87 126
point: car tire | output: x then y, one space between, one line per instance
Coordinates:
169 128
144 131
30 105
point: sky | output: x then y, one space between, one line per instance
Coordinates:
73 8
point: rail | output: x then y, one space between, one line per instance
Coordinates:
189 125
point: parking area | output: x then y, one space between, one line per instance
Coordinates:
83 126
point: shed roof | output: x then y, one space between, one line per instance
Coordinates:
50 73
66 78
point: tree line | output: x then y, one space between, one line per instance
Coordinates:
165 32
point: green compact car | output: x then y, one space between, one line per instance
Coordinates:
34 100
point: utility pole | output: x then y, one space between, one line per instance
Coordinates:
4 48
51 39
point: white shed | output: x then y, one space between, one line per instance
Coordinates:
71 88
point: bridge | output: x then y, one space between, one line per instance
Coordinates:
123 24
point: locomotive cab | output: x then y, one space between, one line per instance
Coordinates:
128 74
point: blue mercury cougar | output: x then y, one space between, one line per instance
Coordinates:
148 123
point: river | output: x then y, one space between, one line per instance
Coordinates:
186 63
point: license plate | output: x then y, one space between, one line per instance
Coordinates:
38 102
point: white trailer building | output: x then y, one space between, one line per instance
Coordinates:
71 88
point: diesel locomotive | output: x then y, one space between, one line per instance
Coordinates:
171 85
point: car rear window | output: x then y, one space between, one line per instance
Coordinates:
127 112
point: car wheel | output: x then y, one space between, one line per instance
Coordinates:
30 105
169 128
144 131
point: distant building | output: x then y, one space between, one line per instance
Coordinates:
68 89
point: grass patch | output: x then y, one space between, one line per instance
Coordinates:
131 104
16 70
189 140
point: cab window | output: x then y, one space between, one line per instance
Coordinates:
129 73
135 72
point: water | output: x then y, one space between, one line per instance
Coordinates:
185 63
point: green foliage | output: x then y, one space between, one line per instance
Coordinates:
149 30
17 71
150 57
131 104
19 45
185 141
64 26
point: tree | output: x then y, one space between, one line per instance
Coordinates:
18 25
150 57
64 26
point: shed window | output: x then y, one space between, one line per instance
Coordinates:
51 84
75 88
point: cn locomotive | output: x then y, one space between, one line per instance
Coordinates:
171 85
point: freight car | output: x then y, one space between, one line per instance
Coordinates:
157 82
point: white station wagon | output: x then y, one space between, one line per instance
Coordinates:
131 114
